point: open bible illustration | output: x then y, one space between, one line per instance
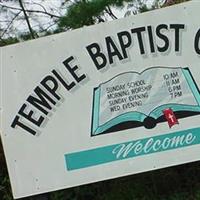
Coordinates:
132 99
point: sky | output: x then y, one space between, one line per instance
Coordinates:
38 21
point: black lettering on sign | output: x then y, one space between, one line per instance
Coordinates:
163 37
95 53
68 86
124 44
29 115
45 97
139 32
16 122
197 42
177 28
52 89
73 69
41 101
151 39
112 50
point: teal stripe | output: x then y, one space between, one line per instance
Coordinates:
95 120
192 85
175 107
130 116
134 148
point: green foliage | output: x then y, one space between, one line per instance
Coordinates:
172 2
176 183
5 190
143 8
86 12
8 41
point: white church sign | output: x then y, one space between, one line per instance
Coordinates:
102 102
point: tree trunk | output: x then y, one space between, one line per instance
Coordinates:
27 20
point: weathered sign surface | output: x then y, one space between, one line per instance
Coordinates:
102 102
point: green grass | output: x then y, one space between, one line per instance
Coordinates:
174 183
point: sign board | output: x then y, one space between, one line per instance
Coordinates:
101 102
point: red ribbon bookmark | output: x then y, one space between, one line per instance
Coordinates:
170 117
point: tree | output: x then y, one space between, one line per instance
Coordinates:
88 12
172 2
85 12
22 20
78 13
39 17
